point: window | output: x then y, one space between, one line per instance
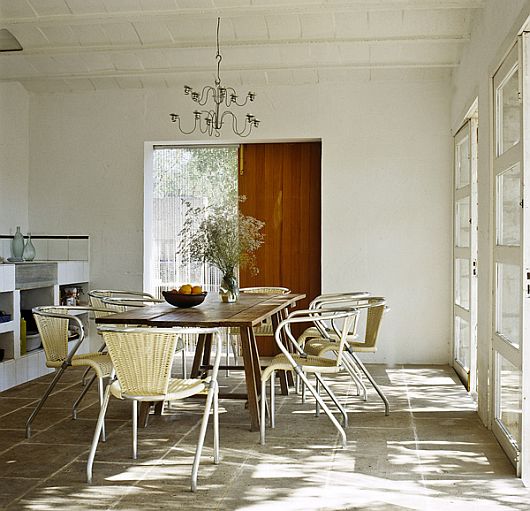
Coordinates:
198 176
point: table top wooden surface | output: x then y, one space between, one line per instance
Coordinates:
250 310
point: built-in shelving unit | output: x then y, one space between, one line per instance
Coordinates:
27 285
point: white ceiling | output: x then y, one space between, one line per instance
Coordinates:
101 44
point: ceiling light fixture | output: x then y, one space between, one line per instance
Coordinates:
211 121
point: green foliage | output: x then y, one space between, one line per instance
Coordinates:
221 235
195 171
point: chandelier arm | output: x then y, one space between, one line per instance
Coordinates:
203 98
177 121
243 133
233 94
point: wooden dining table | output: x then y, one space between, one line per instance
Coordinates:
249 311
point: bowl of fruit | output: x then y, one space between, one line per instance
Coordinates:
185 296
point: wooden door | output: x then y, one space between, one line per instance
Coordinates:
282 185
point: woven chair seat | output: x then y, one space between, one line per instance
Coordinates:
100 362
317 346
177 389
309 364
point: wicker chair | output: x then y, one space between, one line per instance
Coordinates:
265 329
142 358
328 341
106 302
52 323
301 364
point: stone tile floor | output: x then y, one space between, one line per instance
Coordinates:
431 453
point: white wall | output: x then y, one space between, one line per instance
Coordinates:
493 34
14 157
386 175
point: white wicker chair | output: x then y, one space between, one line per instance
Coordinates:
327 340
301 364
52 323
265 329
142 358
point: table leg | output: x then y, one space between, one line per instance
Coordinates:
252 374
206 354
195 369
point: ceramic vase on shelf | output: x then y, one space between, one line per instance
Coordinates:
17 245
229 290
29 250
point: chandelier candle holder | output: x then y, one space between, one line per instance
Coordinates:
219 99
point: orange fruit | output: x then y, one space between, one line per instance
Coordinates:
185 289
196 290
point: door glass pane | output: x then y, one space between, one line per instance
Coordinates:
463 164
509 302
509 113
462 283
463 225
509 209
509 411
462 337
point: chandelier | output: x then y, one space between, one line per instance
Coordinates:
218 100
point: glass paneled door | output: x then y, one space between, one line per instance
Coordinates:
465 254
508 260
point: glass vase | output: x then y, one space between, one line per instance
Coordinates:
229 290
29 250
17 245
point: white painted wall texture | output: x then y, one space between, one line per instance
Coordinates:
493 34
386 176
14 157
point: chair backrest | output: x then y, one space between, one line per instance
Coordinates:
270 290
142 359
52 324
108 299
373 320
375 307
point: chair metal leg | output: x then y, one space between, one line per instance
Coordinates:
334 399
202 434
317 388
371 379
227 355
97 434
184 371
273 399
134 429
85 374
101 388
323 405
263 412
353 372
216 425
303 390
82 395
51 386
